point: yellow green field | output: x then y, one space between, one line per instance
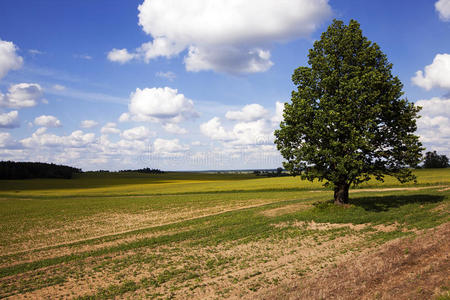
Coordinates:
196 235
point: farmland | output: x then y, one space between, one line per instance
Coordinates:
198 235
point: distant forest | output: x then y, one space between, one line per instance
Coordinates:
27 170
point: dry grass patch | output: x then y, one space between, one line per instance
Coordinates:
291 208
408 268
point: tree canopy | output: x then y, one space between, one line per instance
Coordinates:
434 160
347 121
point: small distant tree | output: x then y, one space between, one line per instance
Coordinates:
348 121
279 171
434 160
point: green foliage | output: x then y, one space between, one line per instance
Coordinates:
434 160
347 120
26 170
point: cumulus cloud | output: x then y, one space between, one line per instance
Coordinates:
278 117
251 112
159 105
9 60
120 55
229 36
7 141
40 138
21 95
434 125
88 124
435 75
137 133
254 126
174 128
162 146
9 120
110 127
443 8
47 121
214 130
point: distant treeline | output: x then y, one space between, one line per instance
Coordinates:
271 173
144 170
27 170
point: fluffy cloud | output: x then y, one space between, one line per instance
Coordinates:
253 129
434 125
224 35
214 130
137 133
9 120
110 128
443 8
278 117
159 105
227 59
120 55
9 60
174 128
6 141
251 112
40 138
21 95
162 146
88 124
436 75
47 121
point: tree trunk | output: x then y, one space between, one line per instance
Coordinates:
341 193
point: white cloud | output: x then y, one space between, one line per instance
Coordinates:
88 124
436 75
9 120
227 59
174 128
9 60
124 117
159 104
137 133
47 121
443 8
110 127
253 133
21 95
120 55
251 112
434 125
225 35
162 146
214 130
278 117
76 139
7 141
167 75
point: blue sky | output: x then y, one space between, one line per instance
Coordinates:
190 85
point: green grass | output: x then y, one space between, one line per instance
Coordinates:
184 228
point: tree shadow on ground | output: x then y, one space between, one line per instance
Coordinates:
384 203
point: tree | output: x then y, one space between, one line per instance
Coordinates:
434 160
347 121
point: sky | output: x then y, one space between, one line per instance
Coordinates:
191 85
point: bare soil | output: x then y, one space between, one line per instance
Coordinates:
407 268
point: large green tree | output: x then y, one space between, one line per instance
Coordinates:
348 121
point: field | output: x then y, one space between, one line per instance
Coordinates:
209 236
